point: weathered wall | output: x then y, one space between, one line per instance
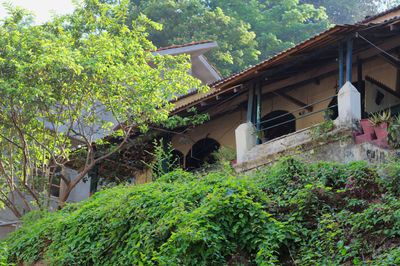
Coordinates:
380 70
80 191
340 147
6 230
387 101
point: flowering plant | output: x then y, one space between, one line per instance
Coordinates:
357 133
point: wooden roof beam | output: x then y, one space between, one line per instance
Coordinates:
391 60
388 57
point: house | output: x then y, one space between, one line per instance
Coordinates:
271 108
279 99
290 92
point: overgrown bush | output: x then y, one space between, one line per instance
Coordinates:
391 176
292 213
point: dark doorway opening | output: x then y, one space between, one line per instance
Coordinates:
201 153
332 113
276 124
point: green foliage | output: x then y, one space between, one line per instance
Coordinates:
277 25
164 160
4 255
177 175
393 132
73 80
194 119
224 156
391 176
323 130
379 117
246 31
344 11
204 220
190 21
293 213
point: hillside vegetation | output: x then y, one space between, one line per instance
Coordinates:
293 213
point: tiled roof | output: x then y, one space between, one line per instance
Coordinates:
370 18
320 40
312 43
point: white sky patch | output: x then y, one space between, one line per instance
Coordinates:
41 8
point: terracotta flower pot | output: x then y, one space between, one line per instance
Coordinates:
382 143
364 138
367 126
381 130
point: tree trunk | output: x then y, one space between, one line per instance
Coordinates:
65 193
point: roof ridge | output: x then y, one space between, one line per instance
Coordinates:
369 18
182 45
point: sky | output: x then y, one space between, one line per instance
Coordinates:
41 8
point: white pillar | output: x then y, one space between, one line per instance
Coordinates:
245 140
349 105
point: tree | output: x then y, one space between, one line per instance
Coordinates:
278 25
344 11
190 21
70 82
246 31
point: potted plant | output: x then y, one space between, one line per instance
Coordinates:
380 121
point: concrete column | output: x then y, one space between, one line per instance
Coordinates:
349 105
245 140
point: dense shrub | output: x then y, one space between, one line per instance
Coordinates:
292 213
391 176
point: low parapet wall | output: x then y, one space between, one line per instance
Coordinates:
339 146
